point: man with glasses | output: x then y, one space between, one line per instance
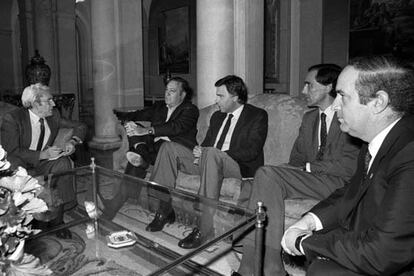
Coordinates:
28 135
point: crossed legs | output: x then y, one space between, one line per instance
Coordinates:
272 185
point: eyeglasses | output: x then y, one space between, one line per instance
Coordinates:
49 101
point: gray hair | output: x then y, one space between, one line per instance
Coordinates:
33 93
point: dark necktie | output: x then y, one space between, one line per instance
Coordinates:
366 162
323 136
42 134
224 133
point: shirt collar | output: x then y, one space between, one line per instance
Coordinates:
236 113
375 144
329 112
33 117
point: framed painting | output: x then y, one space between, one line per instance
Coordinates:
379 27
174 41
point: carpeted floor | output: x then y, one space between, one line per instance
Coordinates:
76 256
219 258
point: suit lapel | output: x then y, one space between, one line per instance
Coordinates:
27 126
314 147
53 126
240 123
334 130
394 141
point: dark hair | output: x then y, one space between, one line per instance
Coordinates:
327 74
390 74
235 86
184 86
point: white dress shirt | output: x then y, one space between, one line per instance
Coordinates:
34 121
236 115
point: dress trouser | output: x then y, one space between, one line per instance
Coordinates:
61 185
213 166
127 188
272 185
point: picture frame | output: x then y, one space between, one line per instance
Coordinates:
174 42
383 27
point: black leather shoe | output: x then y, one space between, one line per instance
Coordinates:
160 220
193 240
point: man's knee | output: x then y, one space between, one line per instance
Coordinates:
267 173
268 176
167 147
61 164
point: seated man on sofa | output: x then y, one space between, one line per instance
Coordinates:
28 134
174 120
322 159
233 147
366 228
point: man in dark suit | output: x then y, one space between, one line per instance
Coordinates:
174 120
322 159
233 147
366 228
28 135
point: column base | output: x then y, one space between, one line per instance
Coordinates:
103 151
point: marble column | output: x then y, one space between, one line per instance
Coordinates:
215 48
229 41
45 37
105 80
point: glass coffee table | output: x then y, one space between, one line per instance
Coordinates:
119 244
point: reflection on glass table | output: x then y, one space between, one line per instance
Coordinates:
119 242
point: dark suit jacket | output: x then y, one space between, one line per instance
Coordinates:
16 135
341 150
369 224
247 141
180 128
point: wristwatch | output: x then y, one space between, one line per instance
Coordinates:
150 131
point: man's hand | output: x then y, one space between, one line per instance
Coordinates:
51 153
304 226
133 129
69 148
197 151
289 240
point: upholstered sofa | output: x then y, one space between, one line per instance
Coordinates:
285 115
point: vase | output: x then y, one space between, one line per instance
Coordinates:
18 252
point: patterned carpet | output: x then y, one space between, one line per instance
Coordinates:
76 257
220 258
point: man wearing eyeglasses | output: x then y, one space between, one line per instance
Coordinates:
28 135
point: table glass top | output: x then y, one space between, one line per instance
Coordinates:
119 240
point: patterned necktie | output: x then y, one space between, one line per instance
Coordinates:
224 133
42 134
366 162
323 136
